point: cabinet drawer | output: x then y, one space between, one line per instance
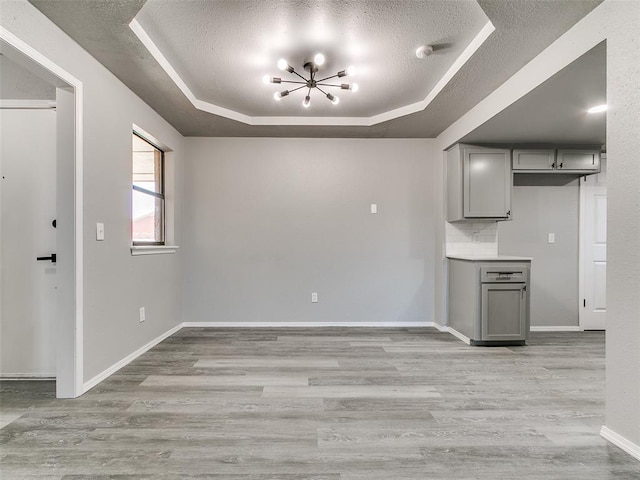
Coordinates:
534 159
504 274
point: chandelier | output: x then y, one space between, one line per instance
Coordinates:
311 82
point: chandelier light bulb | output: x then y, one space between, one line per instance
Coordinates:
306 102
351 70
277 96
283 64
318 59
335 100
266 79
355 87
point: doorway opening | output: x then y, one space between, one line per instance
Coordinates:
593 249
41 165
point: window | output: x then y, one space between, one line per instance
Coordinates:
147 195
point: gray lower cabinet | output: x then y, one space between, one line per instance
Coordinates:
504 312
479 182
488 300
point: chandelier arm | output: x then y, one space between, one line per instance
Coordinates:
329 85
296 89
324 93
293 81
327 78
296 73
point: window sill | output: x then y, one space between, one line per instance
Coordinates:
153 249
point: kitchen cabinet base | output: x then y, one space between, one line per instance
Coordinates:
498 343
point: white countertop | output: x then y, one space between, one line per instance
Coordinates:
491 258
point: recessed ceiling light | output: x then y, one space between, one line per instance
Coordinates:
598 109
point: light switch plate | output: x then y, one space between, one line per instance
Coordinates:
314 297
374 208
99 232
551 238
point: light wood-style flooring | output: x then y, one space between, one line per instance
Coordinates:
324 404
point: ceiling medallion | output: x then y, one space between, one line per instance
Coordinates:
311 82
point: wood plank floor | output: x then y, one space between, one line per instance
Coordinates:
325 404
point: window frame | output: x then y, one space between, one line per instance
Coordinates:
159 195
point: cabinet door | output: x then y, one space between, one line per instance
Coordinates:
578 160
504 311
534 159
487 182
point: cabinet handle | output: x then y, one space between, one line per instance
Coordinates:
561 164
509 213
51 257
553 165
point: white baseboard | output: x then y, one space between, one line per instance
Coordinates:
621 442
568 328
88 385
27 376
306 324
457 334
441 328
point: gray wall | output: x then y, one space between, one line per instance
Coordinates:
17 83
545 204
115 283
269 221
623 221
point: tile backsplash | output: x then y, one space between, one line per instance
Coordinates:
472 238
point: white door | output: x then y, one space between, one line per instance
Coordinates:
593 249
28 207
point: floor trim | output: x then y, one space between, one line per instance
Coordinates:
568 328
620 442
88 385
306 324
459 335
28 376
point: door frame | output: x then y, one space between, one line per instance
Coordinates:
582 222
69 339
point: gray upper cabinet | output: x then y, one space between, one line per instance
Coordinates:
566 160
479 183
578 161
534 159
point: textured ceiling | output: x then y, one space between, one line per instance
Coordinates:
523 29
222 49
556 111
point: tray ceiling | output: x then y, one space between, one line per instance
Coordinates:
523 28
219 51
